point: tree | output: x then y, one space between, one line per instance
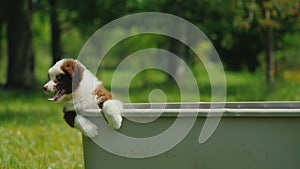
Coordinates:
55 32
20 46
270 17
53 9
2 26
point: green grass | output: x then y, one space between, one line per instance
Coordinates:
253 87
33 133
241 86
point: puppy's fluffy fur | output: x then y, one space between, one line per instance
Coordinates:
78 89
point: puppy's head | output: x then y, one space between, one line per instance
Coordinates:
64 79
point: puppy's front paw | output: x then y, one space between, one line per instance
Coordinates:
112 113
90 130
86 126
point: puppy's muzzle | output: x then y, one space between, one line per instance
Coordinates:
46 89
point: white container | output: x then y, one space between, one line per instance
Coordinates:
250 135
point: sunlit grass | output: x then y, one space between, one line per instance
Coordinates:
40 146
33 133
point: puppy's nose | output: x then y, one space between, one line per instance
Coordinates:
46 89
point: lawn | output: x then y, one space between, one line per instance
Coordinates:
34 134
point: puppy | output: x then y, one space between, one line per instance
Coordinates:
78 89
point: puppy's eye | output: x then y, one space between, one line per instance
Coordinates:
59 77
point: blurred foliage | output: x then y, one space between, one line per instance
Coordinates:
235 28
288 56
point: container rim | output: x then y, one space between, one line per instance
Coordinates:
206 109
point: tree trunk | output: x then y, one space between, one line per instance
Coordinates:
269 47
1 36
55 32
2 22
270 58
20 45
1 57
175 68
3 8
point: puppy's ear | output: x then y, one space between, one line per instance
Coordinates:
71 68
74 70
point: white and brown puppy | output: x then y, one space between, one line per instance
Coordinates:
78 89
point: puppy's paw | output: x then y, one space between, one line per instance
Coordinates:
112 112
88 128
